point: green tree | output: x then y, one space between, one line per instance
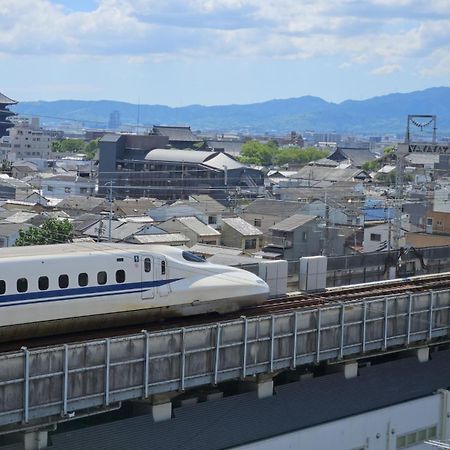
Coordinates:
371 165
91 149
299 155
254 152
69 146
52 231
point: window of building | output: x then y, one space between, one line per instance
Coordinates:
257 222
163 267
429 221
102 277
83 279
22 285
120 276
147 264
2 286
304 236
43 283
416 437
212 220
50 188
67 190
63 281
83 190
250 243
375 237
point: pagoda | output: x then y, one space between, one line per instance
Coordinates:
5 113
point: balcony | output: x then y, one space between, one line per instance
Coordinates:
280 242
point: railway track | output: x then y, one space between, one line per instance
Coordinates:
275 306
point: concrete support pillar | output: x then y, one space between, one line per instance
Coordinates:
423 354
262 384
35 440
350 370
265 388
162 411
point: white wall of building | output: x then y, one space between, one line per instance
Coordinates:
384 429
441 201
28 141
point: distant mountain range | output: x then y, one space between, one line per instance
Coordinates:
377 115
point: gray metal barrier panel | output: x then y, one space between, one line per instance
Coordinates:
67 379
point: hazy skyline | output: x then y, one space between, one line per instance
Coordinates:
182 52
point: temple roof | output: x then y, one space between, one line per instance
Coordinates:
4 100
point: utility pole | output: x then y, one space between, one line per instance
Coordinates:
110 198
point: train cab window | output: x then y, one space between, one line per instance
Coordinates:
163 267
83 279
147 265
2 286
63 281
192 257
22 285
102 277
43 283
120 276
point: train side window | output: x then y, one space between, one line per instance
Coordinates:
102 278
22 285
83 279
147 264
43 283
163 267
63 281
2 286
120 276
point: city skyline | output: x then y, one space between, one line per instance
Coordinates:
221 51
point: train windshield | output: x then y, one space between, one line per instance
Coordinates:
188 256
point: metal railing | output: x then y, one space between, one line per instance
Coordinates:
58 382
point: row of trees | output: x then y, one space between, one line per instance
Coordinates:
76 146
270 154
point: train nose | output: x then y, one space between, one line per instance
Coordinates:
252 285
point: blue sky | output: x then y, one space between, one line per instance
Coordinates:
180 52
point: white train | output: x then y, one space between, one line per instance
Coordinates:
53 289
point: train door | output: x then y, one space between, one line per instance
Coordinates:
148 270
161 274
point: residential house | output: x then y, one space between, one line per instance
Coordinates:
298 235
68 185
77 205
193 228
238 233
24 169
356 156
378 236
264 213
9 232
14 189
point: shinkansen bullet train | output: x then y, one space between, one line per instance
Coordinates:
54 289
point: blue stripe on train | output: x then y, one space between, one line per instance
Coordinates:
79 293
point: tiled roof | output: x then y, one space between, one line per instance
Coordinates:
198 227
4 100
242 227
206 249
163 238
175 133
293 222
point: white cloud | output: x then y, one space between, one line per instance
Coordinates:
387 33
386 69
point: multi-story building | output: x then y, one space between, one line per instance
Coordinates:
27 140
139 166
